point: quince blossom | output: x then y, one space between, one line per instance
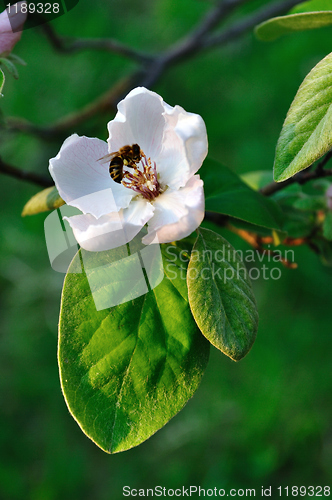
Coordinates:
11 24
160 190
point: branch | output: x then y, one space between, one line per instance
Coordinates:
300 178
105 103
147 76
195 40
200 40
152 67
257 243
240 27
71 45
25 176
180 49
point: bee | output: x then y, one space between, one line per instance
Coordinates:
127 156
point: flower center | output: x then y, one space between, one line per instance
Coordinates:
143 180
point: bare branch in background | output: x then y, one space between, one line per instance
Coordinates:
105 103
200 39
193 42
69 45
188 44
248 23
152 67
25 176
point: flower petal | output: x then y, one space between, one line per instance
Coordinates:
185 146
111 230
85 183
11 24
177 213
139 120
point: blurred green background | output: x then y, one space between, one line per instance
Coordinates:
265 421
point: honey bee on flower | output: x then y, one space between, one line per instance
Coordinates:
156 184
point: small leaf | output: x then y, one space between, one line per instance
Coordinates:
327 226
321 185
16 59
277 238
312 6
298 223
221 296
127 370
48 199
324 248
10 67
227 194
307 131
2 82
278 26
311 203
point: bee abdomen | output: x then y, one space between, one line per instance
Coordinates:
116 169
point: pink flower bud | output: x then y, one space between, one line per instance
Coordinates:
329 197
11 24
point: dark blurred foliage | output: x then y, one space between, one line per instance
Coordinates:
263 421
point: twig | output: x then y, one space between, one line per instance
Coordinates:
25 176
218 219
300 178
105 103
240 27
193 42
152 67
199 39
71 45
257 243
322 163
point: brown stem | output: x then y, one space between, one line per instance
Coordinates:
71 45
152 67
105 103
300 178
256 242
248 23
7 169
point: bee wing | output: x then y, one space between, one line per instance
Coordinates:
107 158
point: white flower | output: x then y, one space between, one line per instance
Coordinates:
161 190
11 24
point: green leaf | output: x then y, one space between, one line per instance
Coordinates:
258 179
307 131
48 199
127 370
324 248
16 59
327 226
321 185
227 194
312 203
10 67
2 82
221 296
298 223
312 6
278 26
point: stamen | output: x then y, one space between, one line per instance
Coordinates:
145 181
